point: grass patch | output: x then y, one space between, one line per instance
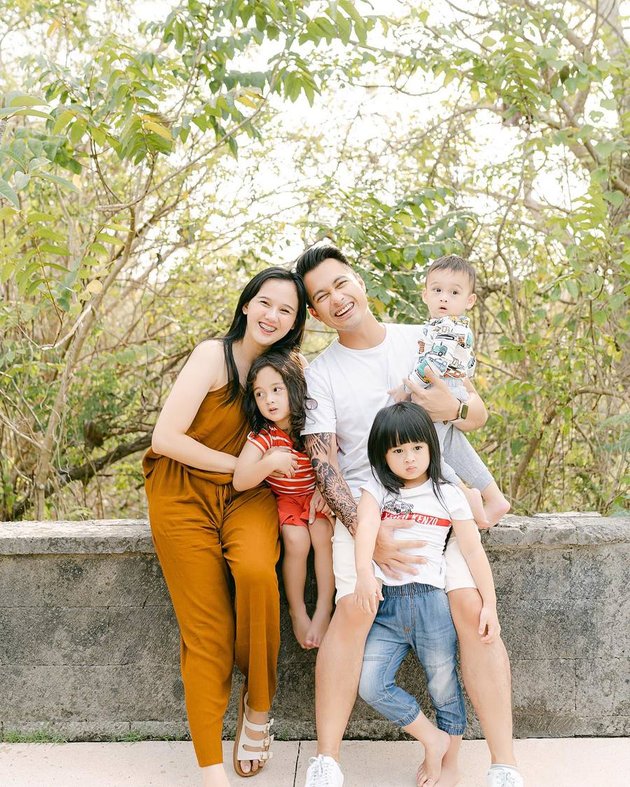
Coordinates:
39 736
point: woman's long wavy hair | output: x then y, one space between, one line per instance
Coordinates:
403 422
236 331
289 367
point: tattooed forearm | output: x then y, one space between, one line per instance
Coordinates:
336 492
321 449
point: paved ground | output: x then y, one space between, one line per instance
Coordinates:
572 762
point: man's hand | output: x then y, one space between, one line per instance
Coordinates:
393 556
437 400
319 507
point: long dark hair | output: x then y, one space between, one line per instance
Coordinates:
289 367
403 422
236 331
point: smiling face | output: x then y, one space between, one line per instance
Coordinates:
337 296
409 462
272 397
447 293
272 312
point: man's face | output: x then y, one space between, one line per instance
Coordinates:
337 294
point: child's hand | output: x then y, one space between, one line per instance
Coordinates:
400 394
281 461
367 594
489 627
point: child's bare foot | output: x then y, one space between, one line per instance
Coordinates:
214 776
449 777
301 626
318 627
400 394
435 747
475 501
495 509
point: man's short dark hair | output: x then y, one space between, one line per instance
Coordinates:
314 256
451 262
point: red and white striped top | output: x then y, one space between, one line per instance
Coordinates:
303 481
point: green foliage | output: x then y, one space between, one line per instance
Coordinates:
41 736
147 169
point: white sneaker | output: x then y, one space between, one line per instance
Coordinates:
323 771
504 776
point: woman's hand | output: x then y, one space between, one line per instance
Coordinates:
489 627
367 593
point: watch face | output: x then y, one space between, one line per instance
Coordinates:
463 411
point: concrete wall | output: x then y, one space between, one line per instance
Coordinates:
89 645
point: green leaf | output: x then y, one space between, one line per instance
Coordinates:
21 180
66 184
616 198
605 148
572 288
27 101
8 193
77 131
158 129
344 27
10 112
62 120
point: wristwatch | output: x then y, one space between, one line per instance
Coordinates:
462 412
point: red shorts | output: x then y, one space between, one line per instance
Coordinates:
293 509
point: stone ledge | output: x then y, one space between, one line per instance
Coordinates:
89 647
87 537
115 536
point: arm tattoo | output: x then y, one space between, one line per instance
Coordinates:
330 482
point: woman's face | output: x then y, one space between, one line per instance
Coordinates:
272 312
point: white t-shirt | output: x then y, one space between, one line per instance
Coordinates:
350 387
432 522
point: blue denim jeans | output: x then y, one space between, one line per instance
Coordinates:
413 617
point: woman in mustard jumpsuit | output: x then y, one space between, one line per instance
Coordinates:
204 531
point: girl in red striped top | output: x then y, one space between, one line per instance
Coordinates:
275 402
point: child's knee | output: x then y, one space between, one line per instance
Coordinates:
443 683
371 684
296 539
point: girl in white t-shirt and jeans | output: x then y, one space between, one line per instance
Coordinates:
413 614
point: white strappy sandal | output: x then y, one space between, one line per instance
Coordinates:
247 748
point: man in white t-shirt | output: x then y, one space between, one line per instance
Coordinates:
350 381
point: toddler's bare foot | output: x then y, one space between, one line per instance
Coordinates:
318 627
301 625
400 394
475 501
435 748
495 509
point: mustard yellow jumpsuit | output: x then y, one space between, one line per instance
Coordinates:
204 530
